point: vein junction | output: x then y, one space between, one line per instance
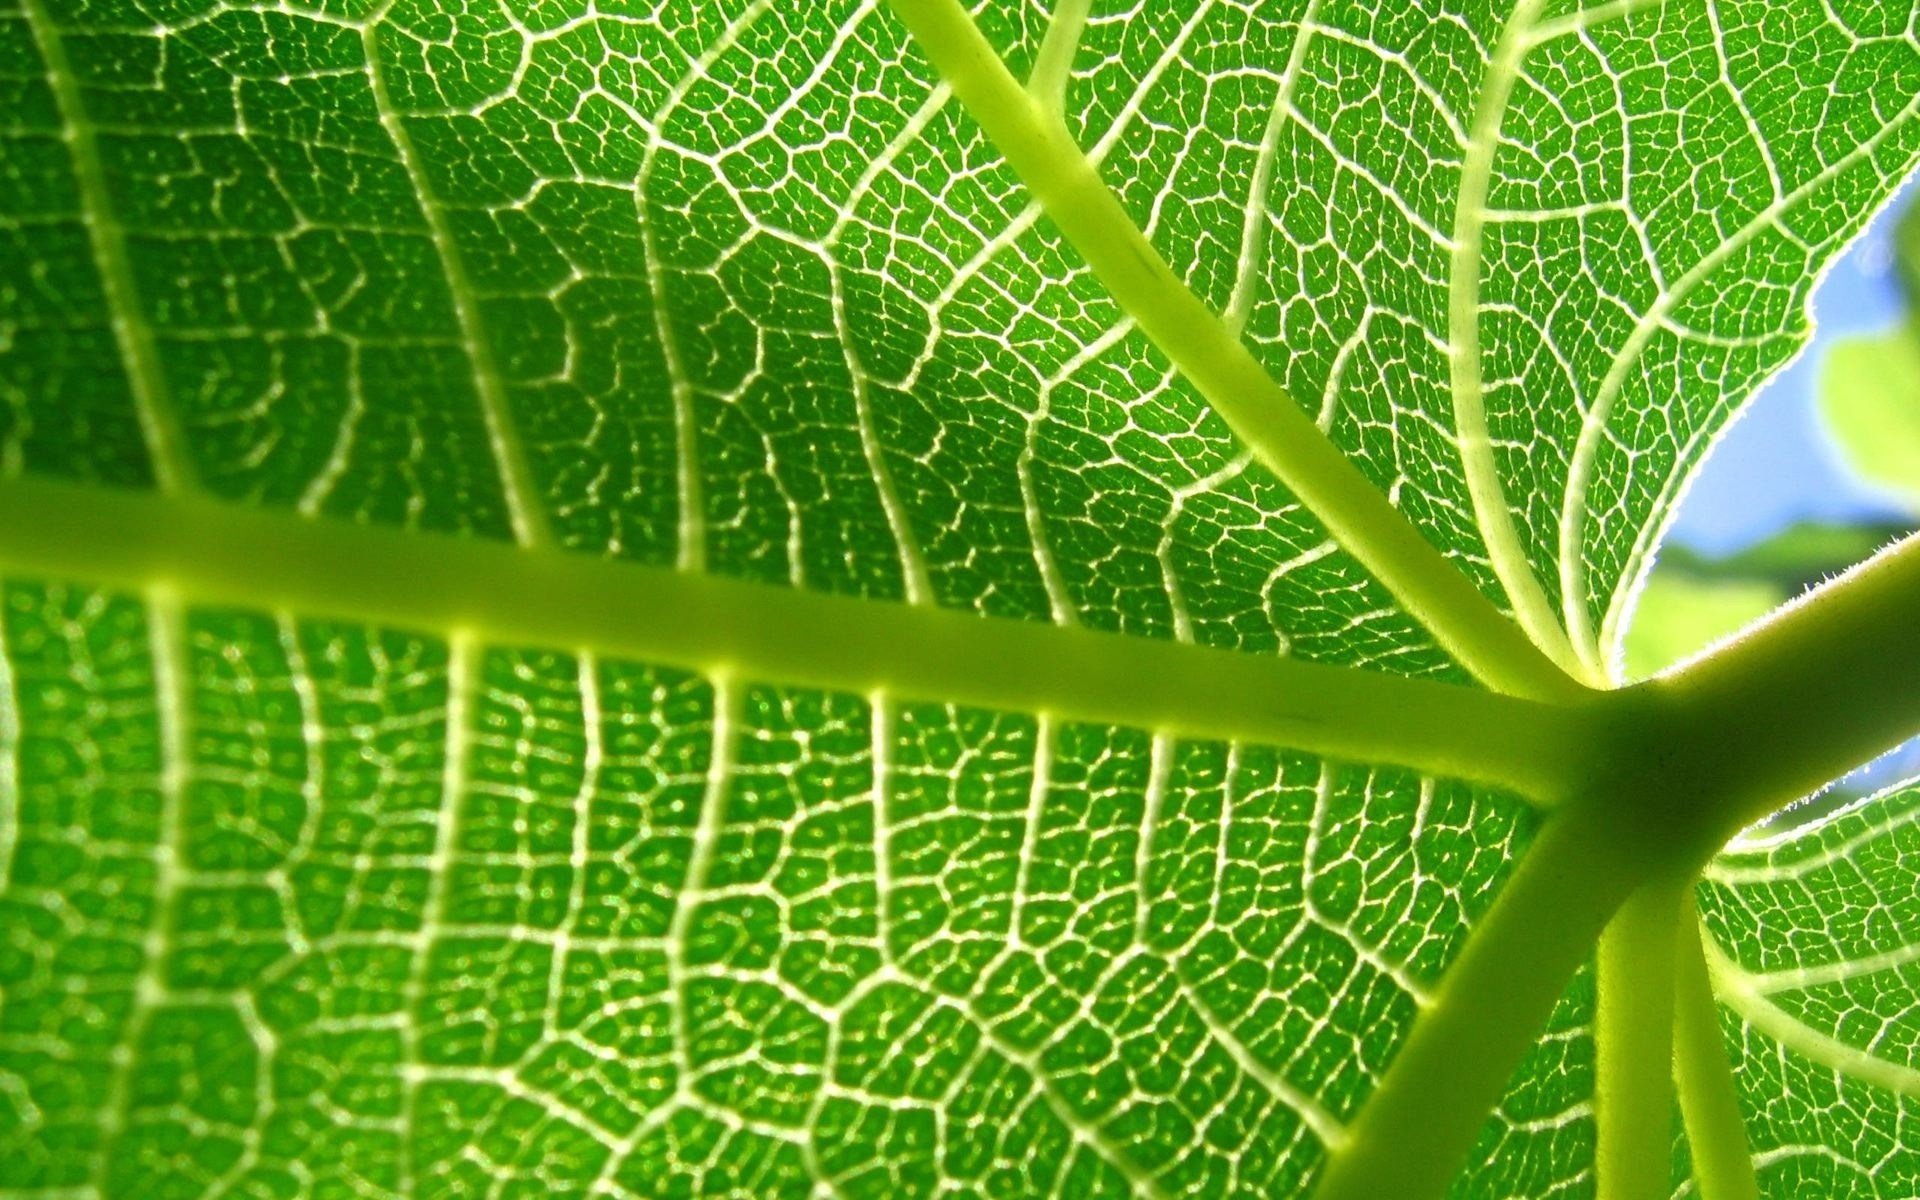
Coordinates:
822 846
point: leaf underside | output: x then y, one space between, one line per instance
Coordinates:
293 905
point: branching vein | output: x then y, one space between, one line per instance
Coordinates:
220 553
1211 356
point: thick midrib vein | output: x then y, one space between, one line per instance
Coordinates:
1703 1075
1633 1042
212 552
1214 360
146 379
9 757
1490 508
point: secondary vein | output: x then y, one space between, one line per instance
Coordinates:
146 379
1211 356
519 491
1491 512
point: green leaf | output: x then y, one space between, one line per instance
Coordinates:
1870 393
1819 1014
1678 616
1691 601
688 601
1870 388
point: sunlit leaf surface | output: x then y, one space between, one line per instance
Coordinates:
299 907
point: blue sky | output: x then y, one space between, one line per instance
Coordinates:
1775 465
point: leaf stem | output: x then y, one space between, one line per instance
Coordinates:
1633 1038
1214 360
213 552
1709 1102
1823 685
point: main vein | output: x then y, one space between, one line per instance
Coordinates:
1709 1100
1490 509
211 552
1212 358
1633 1043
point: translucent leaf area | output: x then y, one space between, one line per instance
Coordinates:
293 905
1817 961
305 906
